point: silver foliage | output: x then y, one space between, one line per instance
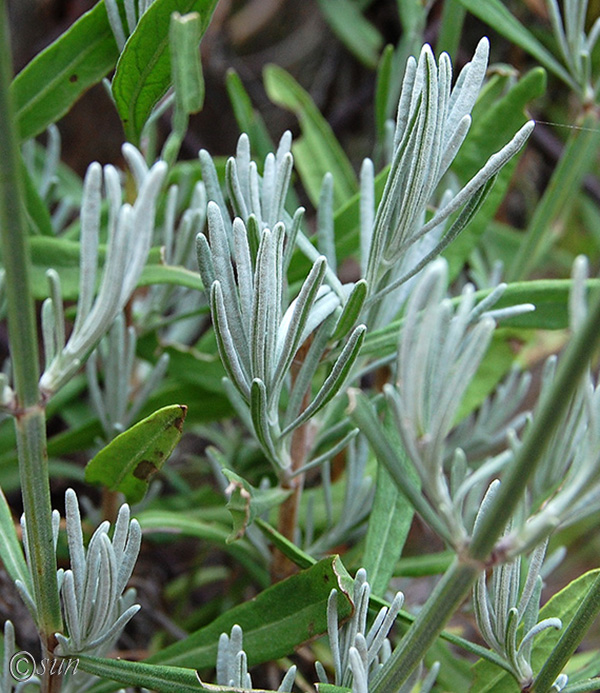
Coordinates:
358 653
129 239
506 609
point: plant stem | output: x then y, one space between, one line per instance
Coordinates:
287 522
29 411
572 365
457 581
447 596
569 641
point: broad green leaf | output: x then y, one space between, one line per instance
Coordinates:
497 15
11 552
493 126
51 83
153 677
491 679
143 72
275 622
128 462
330 688
317 152
165 679
249 120
359 36
389 521
63 256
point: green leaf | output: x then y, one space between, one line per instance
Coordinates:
491 679
36 210
154 677
249 120
427 564
287 548
170 274
188 80
143 72
389 522
128 462
497 15
383 90
275 622
351 310
359 36
63 256
317 152
11 552
51 83
330 688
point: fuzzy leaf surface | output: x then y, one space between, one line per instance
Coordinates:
491 679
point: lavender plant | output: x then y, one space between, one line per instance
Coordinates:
348 380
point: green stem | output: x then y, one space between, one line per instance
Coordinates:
557 200
30 420
569 641
447 596
572 365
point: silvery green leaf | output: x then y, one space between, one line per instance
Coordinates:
295 318
292 234
351 310
205 261
262 306
367 210
227 350
245 274
325 230
234 189
211 181
336 378
90 230
262 425
282 181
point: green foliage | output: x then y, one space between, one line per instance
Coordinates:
128 462
350 371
